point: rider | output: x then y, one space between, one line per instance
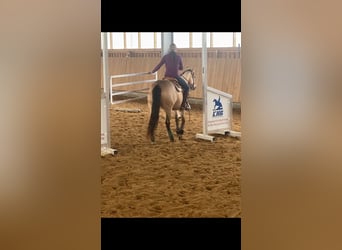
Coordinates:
173 63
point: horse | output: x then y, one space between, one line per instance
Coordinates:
168 95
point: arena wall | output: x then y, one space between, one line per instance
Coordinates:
223 66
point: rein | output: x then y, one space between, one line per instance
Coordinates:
192 86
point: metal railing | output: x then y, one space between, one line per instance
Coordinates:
130 83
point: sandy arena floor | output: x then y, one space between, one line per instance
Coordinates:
187 178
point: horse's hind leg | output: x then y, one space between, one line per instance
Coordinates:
168 127
180 127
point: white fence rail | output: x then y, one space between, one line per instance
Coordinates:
113 85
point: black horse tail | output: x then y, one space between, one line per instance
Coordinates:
152 124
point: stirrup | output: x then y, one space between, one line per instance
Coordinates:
186 106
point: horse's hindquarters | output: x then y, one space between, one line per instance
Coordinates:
171 98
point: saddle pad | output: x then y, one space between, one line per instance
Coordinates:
175 83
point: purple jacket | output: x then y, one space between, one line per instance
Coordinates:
173 63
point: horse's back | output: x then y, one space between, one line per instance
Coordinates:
170 97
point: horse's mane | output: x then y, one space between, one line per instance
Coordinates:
186 70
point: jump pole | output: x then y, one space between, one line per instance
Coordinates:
105 102
204 135
221 115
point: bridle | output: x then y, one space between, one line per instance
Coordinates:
191 85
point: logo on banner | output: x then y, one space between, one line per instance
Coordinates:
218 108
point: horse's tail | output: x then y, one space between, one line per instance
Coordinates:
152 124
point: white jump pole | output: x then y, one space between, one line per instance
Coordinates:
204 135
105 102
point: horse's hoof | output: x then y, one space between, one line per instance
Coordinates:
180 132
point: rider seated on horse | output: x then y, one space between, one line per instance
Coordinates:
173 64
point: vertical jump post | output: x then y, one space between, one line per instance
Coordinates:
204 135
105 102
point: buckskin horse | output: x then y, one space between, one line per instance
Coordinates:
168 95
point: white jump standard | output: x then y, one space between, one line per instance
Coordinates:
105 103
217 106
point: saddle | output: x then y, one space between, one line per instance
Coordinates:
175 83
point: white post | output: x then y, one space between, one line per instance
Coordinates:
204 135
105 101
204 81
166 40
